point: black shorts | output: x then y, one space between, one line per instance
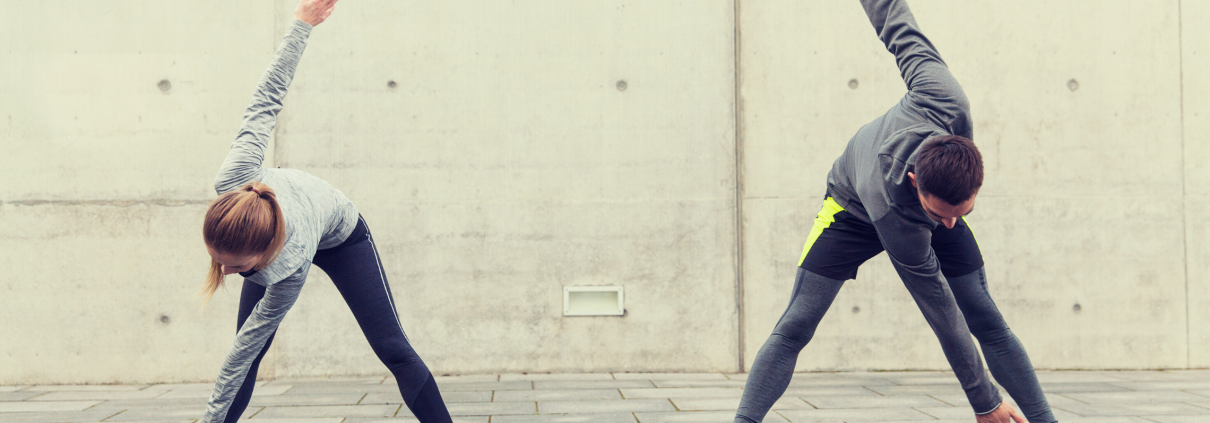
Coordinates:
840 242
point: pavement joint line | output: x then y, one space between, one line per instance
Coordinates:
363 398
632 414
620 393
1071 398
808 403
536 412
871 390
114 414
1198 406
397 410
674 405
257 412
926 413
943 401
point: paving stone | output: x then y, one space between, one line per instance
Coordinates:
47 406
604 406
1144 375
158 403
73 416
557 395
368 380
457 419
1088 410
308 399
854 414
93 388
316 389
732 404
1175 419
555 376
1064 387
327 411
670 376
487 386
568 418
829 379
593 384
19 395
317 420
447 396
959 400
699 417
99 395
705 383
486 408
1077 376
1135 397
887 390
1203 393
1121 419
682 393
865 402
1178 385
205 392
190 413
456 378
967 413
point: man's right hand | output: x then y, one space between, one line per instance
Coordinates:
1004 414
313 12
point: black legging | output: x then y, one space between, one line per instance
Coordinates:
355 270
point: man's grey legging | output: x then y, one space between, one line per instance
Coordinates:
813 294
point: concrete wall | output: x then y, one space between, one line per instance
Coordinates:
505 163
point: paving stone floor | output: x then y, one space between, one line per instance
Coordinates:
1076 396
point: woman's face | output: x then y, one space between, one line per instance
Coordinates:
233 263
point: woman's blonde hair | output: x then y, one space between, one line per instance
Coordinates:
246 221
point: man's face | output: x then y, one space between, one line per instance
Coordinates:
945 213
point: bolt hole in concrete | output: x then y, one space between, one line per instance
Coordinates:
856 309
392 84
164 319
1076 308
621 85
1073 85
853 83
164 85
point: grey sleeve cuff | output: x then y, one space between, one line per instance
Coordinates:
300 27
997 407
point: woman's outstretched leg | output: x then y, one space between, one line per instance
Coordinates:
357 272
1006 357
774 364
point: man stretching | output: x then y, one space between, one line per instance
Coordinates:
903 185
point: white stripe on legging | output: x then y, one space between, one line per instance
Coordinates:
383 276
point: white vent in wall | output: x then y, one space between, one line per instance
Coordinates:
592 301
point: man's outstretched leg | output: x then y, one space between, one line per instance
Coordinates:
774 365
1006 357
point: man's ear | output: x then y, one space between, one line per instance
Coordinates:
912 176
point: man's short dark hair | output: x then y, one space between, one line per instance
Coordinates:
950 168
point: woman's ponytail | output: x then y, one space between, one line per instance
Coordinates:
246 221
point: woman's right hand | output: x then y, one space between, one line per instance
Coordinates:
313 12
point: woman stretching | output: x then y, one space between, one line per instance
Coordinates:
270 225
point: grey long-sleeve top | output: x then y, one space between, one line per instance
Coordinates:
317 216
870 180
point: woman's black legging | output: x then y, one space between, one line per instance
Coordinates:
357 273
